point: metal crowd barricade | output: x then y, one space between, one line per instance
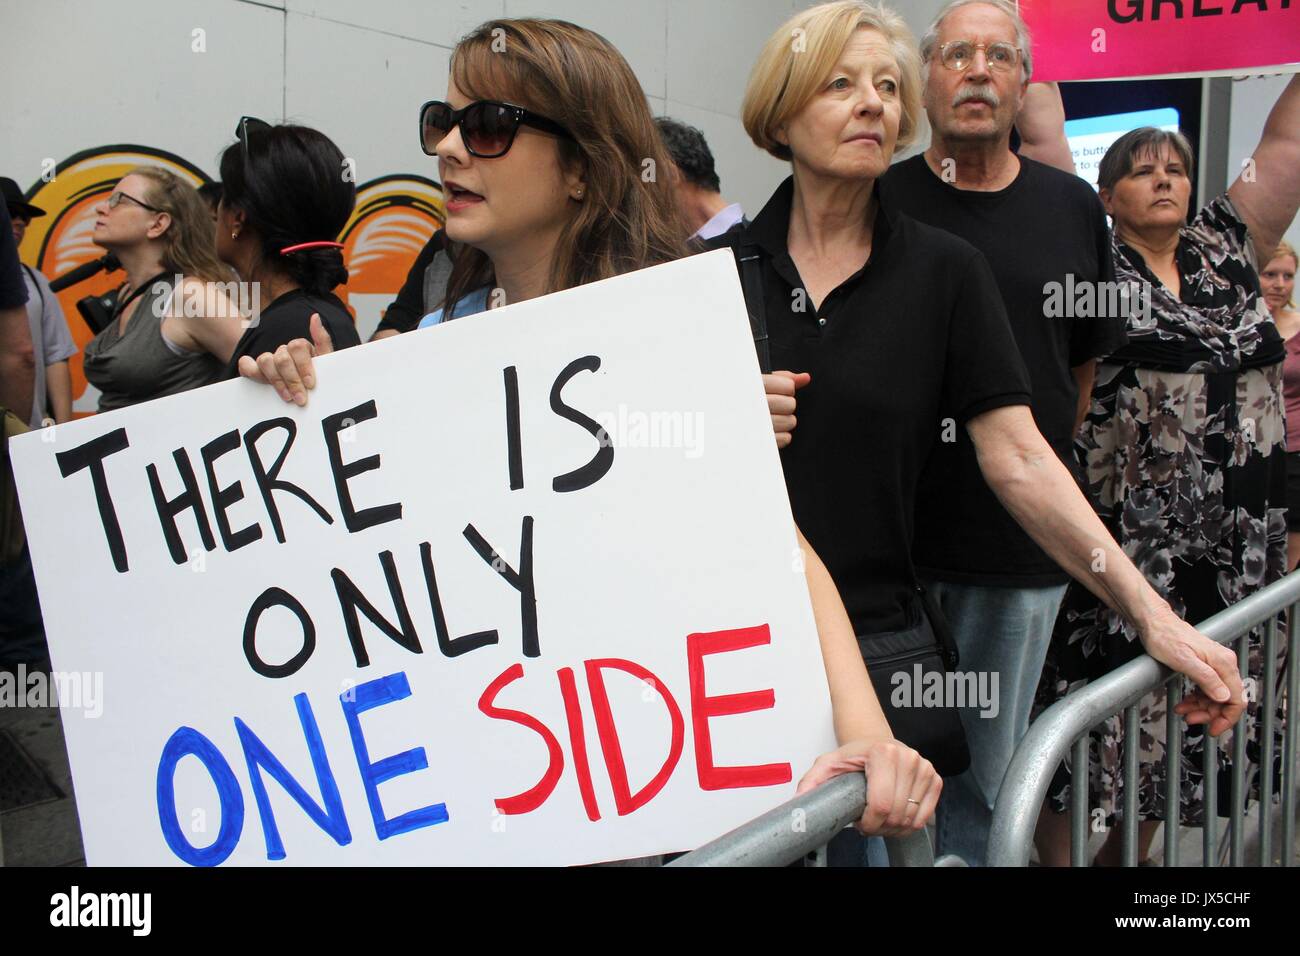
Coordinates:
805 825
1067 723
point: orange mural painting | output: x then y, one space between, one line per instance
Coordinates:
394 217
393 220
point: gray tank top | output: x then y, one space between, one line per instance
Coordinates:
138 365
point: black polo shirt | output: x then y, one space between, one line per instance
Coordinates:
919 329
1046 227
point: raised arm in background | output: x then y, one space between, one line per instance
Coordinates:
1041 125
1267 193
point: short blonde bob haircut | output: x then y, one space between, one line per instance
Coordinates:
801 54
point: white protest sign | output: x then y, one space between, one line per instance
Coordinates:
437 616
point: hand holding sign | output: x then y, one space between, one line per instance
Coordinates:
780 388
289 368
541 630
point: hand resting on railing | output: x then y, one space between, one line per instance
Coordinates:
903 789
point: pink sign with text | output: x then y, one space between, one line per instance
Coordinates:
1111 39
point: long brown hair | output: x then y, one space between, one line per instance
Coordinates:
628 218
189 244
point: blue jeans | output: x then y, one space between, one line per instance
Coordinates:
849 848
1002 632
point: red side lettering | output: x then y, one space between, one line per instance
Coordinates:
534 798
578 739
624 800
712 777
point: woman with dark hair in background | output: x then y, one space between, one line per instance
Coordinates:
162 339
284 202
1183 448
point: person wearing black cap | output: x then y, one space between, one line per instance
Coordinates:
22 634
51 340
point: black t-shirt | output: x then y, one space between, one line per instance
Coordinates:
13 290
1044 228
918 329
406 311
289 318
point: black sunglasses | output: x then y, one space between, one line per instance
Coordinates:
487 126
246 125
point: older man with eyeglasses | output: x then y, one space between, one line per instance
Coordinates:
1037 226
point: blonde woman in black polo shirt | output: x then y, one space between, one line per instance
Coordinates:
534 186
892 332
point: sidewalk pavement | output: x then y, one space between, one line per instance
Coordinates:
44 833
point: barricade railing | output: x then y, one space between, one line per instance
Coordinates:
805 825
1067 724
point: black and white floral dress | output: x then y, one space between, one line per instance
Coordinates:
1184 455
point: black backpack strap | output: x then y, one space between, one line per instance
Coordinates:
942 630
749 260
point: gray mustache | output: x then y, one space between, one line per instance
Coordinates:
976 94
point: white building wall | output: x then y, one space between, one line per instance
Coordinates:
78 77
79 74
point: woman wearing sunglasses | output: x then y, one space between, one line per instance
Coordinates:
284 202
163 339
540 149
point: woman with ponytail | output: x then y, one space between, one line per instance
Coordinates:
285 199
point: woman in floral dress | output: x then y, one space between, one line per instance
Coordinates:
1183 445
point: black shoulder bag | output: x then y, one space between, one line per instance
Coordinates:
905 666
